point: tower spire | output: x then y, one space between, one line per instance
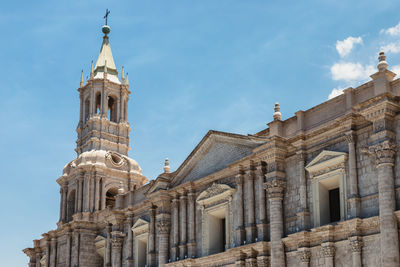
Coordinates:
122 75
81 83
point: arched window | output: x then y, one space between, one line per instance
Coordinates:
98 103
110 197
112 109
87 107
71 205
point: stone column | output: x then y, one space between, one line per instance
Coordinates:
183 225
305 257
250 226
151 255
129 262
97 194
275 188
86 191
63 202
80 191
389 237
68 254
175 227
192 225
261 214
163 228
107 252
53 252
354 198
47 250
92 191
328 251
356 245
76 236
239 230
303 214
116 251
38 257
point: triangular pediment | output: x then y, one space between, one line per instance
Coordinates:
215 152
214 193
326 159
161 183
141 225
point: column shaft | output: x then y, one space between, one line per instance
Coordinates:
354 198
76 248
86 192
68 252
261 220
107 256
53 252
388 222
97 194
80 193
175 227
191 225
183 225
129 242
250 229
239 210
163 228
151 239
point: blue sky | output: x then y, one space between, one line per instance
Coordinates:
193 66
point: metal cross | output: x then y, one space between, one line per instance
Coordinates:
106 15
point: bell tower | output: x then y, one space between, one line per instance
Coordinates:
102 168
104 99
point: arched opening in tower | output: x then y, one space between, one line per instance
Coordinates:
112 114
87 107
110 197
71 205
98 103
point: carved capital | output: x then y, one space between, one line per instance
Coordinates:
239 179
328 250
304 255
275 188
383 152
350 138
163 227
356 244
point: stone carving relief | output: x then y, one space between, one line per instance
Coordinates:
115 159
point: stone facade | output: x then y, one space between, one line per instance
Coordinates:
318 189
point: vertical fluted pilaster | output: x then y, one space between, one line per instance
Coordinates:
129 241
261 213
354 198
356 245
151 260
303 214
192 224
97 193
68 255
80 191
86 192
183 225
163 229
239 229
384 154
76 236
305 256
275 188
63 202
175 227
107 256
53 252
116 244
328 251
250 226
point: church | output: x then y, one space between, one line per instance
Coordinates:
321 188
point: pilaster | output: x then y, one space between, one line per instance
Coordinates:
328 251
249 200
354 198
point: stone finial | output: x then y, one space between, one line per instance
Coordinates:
167 168
91 71
122 75
127 80
277 112
121 188
82 83
382 65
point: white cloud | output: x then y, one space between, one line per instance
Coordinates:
344 47
396 69
335 92
350 72
394 31
391 48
